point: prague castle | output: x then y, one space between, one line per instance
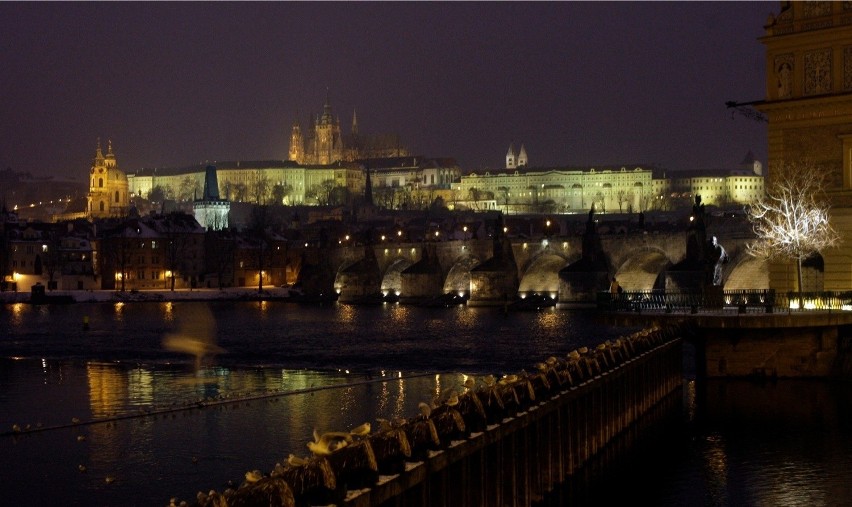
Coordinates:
325 143
326 166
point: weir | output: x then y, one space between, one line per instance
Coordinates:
506 442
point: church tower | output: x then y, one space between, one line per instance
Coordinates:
511 161
327 142
297 144
108 188
522 157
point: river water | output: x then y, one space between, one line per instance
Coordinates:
126 411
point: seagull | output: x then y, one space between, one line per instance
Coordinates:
329 442
452 399
295 461
253 476
196 337
361 431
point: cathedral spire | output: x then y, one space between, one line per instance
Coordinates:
99 153
354 123
522 157
511 161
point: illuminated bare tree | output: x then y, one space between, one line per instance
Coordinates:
791 220
188 189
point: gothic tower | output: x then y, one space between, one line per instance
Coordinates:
327 144
297 144
108 188
522 157
511 161
211 211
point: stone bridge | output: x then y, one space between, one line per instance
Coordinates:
418 271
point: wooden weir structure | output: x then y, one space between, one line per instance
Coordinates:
507 443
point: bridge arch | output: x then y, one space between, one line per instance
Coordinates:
542 274
392 277
747 273
458 277
642 269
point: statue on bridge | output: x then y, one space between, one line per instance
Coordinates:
702 266
717 256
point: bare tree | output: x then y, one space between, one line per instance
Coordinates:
158 194
503 193
280 192
258 229
260 189
791 220
188 188
384 197
321 192
240 192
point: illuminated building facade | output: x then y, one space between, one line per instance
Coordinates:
610 189
809 107
108 189
325 143
151 252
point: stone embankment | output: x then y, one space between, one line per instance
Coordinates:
503 440
115 296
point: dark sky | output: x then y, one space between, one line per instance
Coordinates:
578 83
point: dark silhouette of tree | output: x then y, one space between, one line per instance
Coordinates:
258 228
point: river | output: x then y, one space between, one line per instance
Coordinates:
126 411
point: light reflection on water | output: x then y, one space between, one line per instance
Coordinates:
252 419
739 443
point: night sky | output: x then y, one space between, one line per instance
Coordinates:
585 83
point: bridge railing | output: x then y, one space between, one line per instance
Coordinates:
728 301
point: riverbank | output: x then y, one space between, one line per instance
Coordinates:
111 296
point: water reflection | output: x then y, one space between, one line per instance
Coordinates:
107 388
168 312
118 309
17 313
548 318
716 466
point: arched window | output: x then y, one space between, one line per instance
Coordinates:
102 205
116 196
101 182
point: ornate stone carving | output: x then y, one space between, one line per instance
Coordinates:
784 74
815 9
817 72
847 68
